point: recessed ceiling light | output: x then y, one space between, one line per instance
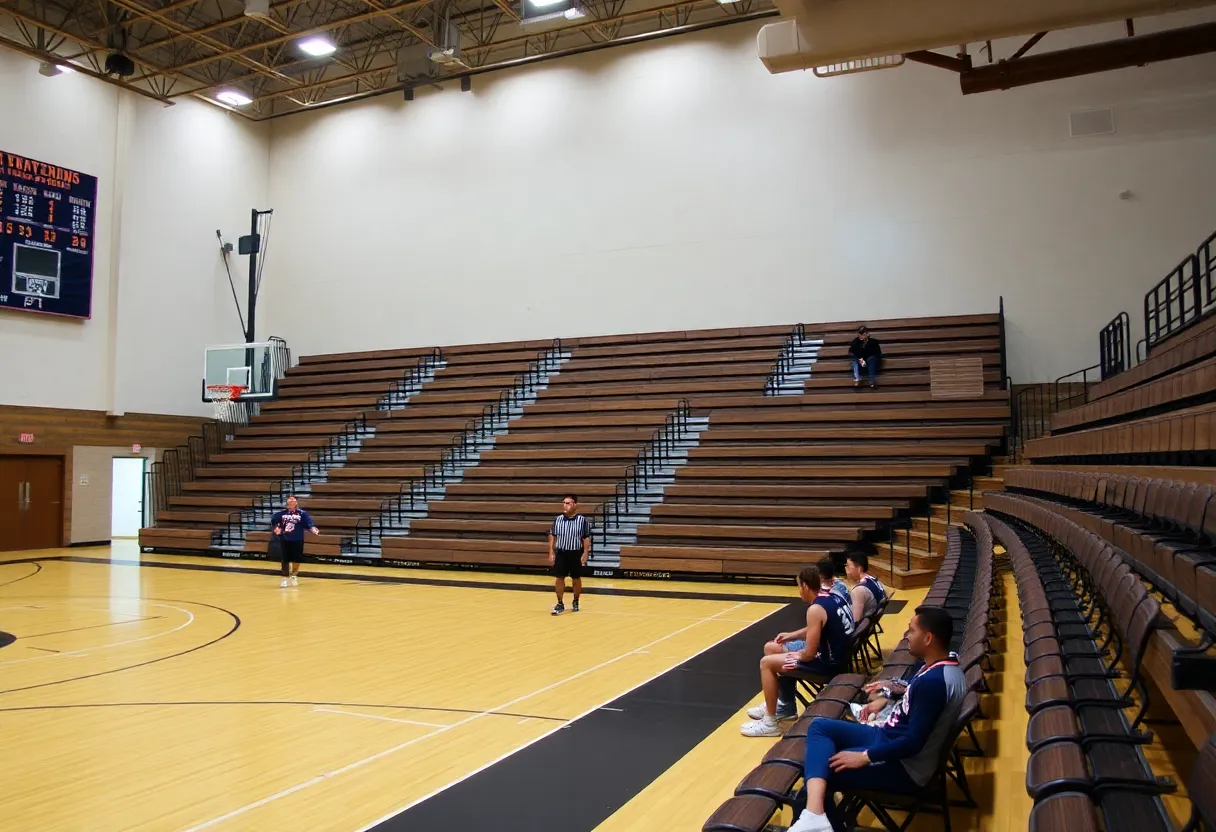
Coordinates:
233 98
544 4
317 47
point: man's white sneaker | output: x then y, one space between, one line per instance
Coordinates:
761 728
783 712
295 581
286 583
811 823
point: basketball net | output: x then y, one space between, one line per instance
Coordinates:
223 398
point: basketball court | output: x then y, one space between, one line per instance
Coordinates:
198 695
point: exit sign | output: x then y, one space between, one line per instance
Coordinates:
26 438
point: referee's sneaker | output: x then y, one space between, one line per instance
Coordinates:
569 548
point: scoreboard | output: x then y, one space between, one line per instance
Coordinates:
46 237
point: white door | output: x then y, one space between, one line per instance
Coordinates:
127 497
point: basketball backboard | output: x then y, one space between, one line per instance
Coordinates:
253 366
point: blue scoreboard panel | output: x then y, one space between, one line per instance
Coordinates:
46 237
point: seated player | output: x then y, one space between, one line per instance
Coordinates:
827 571
819 649
867 592
901 754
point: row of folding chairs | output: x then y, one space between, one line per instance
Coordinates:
1161 506
1082 608
964 586
1164 528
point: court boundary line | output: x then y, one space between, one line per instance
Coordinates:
377 716
472 718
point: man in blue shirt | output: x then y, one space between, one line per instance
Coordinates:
821 649
289 529
901 754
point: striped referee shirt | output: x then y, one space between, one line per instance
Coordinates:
570 532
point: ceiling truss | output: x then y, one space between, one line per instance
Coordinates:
200 47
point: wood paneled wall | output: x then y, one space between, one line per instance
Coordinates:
88 439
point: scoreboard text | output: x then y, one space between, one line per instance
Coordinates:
46 237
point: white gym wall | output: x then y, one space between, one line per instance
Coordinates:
667 185
168 177
678 184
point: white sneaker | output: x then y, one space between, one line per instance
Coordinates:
286 583
760 728
811 823
783 712
295 581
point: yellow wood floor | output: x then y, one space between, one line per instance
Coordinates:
166 699
163 699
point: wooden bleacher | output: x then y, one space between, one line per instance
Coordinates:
1131 468
774 482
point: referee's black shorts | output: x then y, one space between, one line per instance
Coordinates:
567 562
292 551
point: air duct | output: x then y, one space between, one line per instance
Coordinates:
819 33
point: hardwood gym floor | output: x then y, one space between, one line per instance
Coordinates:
138 697
189 694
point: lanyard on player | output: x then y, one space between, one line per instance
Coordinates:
935 664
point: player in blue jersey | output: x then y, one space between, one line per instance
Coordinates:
867 593
289 527
822 651
901 754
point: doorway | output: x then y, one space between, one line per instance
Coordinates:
31 502
127 496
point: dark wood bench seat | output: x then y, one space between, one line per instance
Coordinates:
1177 390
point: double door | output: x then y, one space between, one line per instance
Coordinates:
31 502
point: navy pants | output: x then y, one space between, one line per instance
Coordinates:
827 736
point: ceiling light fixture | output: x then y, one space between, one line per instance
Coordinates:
50 70
233 98
544 4
575 13
317 47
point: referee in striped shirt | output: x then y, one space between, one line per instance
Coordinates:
569 548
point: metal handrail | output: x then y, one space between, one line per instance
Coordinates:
1115 347
785 360
1177 300
436 475
649 461
1001 333
1064 403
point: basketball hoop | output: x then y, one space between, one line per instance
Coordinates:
223 397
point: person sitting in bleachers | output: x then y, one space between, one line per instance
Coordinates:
901 754
820 649
867 592
867 355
